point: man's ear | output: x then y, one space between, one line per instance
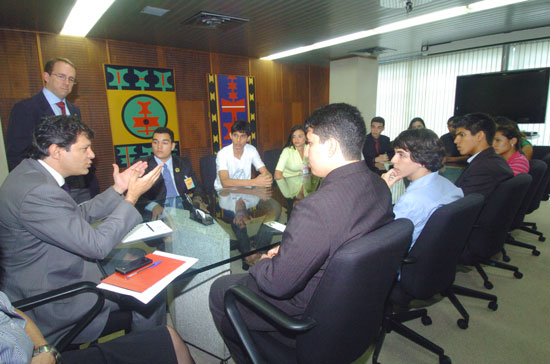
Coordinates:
55 151
249 139
173 146
480 136
333 146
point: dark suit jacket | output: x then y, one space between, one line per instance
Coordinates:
182 168
369 150
484 173
350 202
23 117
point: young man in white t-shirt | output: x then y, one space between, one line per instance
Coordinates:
233 162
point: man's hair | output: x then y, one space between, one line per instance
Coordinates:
510 131
289 140
378 119
476 122
241 126
62 130
48 67
452 120
414 120
163 130
424 146
342 122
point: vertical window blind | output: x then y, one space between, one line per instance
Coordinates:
425 87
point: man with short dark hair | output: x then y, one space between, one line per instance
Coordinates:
177 179
377 148
234 162
452 155
418 157
47 240
350 202
59 78
486 169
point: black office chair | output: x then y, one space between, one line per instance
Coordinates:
491 228
344 315
537 170
208 176
271 158
542 195
429 269
63 293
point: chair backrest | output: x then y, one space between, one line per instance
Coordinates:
271 158
491 228
437 250
208 172
349 302
537 170
544 191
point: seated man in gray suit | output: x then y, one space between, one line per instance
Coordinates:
47 240
350 202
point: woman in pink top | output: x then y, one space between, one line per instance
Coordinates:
507 143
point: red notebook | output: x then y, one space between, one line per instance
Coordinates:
143 280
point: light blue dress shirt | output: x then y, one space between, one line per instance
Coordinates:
422 198
52 100
15 344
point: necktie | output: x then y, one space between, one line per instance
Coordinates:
169 183
61 105
377 146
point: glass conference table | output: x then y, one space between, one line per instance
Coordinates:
236 233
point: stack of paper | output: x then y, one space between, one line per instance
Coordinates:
146 284
147 230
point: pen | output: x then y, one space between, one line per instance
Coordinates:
150 228
142 269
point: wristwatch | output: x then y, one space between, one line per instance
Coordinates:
48 349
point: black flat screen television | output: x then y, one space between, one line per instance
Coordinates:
519 95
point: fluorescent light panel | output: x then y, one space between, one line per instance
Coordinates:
407 23
84 15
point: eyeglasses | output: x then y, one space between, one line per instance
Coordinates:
63 78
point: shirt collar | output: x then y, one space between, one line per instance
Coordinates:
168 163
52 99
424 180
472 157
55 174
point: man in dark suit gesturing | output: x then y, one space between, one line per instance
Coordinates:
351 201
177 176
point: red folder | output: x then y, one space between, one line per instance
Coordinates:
143 280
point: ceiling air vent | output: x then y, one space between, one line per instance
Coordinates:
371 52
208 20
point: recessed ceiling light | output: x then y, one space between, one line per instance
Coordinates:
407 23
84 15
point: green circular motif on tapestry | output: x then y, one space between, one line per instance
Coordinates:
142 115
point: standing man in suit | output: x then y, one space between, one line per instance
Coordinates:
177 179
47 240
59 78
377 147
350 202
486 169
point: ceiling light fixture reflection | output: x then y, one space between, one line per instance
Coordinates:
407 23
84 15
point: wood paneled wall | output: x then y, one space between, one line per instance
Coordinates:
285 93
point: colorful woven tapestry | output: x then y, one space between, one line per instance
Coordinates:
140 100
231 98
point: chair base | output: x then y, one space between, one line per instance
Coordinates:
394 322
493 263
521 244
464 291
531 227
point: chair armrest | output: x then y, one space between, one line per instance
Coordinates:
257 304
61 293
